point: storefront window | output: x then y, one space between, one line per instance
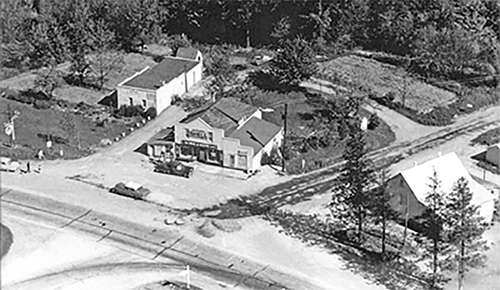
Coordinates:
213 156
242 161
186 150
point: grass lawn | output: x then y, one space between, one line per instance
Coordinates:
380 79
32 124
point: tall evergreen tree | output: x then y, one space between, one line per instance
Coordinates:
433 219
464 227
294 63
380 209
350 196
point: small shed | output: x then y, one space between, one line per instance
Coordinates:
493 155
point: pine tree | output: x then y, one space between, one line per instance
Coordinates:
464 227
433 219
380 209
350 196
294 63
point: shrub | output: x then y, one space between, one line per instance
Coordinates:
150 112
488 138
129 111
189 104
42 104
273 158
439 116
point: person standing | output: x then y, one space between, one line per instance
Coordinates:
28 167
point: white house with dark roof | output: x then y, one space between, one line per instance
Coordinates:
228 133
155 86
409 188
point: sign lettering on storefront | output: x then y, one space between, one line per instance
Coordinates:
198 144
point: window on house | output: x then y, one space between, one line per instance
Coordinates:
188 133
145 103
198 134
131 101
210 137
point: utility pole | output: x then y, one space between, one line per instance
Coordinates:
285 116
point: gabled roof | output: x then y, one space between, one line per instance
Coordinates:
225 114
168 69
187 53
494 146
164 136
256 133
449 169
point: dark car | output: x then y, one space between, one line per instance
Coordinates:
130 189
175 168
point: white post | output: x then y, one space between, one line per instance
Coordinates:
188 282
13 136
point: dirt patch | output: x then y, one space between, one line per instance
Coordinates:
380 79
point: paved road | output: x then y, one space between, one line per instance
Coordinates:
156 244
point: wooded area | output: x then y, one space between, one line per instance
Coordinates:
450 39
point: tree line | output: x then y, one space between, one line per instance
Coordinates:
444 38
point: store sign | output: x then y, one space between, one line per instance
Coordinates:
198 144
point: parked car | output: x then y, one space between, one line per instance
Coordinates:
130 189
174 168
8 165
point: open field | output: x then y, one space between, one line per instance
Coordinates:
380 79
132 63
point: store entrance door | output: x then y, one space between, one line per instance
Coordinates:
202 155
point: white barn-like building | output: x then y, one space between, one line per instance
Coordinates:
409 188
155 86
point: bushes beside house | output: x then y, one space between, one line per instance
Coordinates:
488 138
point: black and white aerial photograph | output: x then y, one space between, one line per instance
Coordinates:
250 144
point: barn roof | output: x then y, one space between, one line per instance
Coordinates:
168 69
449 169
